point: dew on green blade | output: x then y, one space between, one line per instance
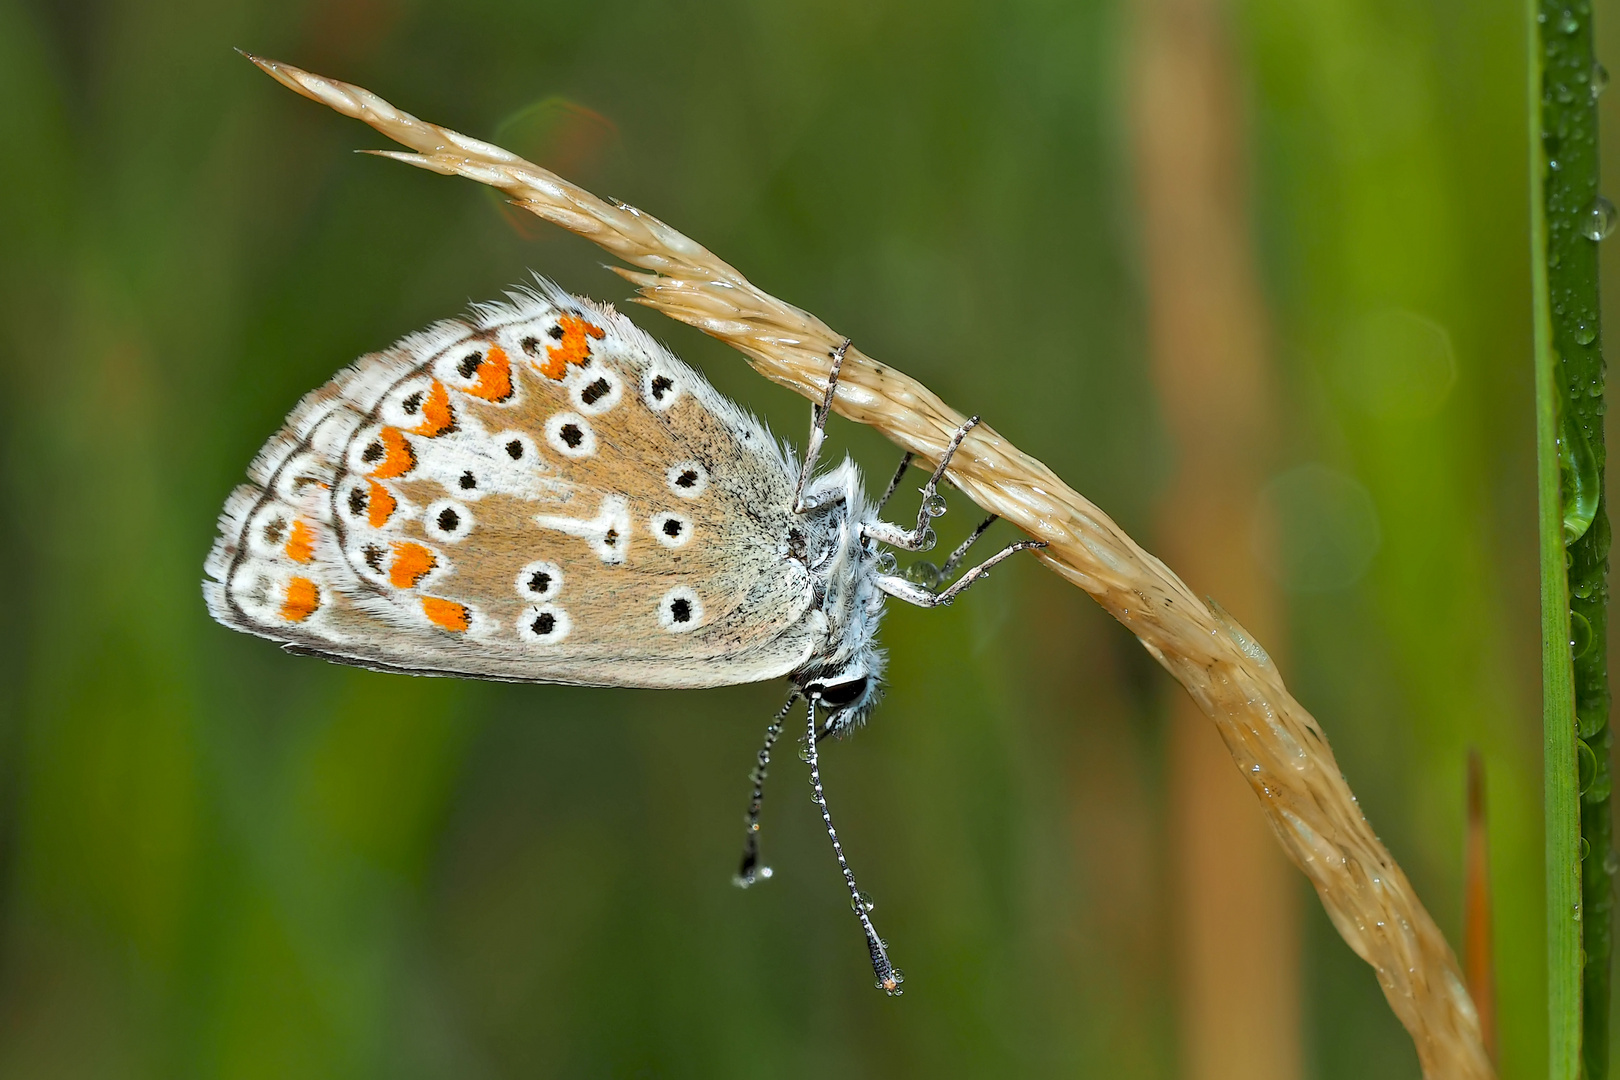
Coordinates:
1578 472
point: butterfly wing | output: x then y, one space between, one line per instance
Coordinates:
538 493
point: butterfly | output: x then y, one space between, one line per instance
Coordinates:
540 492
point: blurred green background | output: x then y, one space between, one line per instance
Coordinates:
216 860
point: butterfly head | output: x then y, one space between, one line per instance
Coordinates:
847 695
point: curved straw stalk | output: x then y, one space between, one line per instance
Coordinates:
1274 742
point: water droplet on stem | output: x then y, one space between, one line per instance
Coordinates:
1580 634
1599 219
1585 766
1578 473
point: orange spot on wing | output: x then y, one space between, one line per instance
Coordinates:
300 542
412 563
436 415
303 599
398 457
380 505
494 376
446 613
574 348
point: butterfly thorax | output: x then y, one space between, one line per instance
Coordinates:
844 568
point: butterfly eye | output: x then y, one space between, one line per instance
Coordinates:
838 695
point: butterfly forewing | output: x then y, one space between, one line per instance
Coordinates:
541 492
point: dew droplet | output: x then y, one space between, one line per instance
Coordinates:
804 753
887 563
1585 765
1568 23
923 573
1586 848
1580 635
861 902
1600 80
1578 473
1591 721
1584 590
1602 784
1585 333
1599 220
935 506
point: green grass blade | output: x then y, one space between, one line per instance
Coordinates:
1568 219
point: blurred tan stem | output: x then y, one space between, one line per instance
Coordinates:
1237 919
1479 957
1276 744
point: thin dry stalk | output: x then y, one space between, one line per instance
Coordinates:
1275 743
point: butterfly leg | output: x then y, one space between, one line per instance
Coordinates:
750 871
962 549
894 484
933 504
912 593
929 576
818 429
889 977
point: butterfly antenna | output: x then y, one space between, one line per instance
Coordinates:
751 872
889 977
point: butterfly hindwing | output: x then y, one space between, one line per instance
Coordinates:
541 492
